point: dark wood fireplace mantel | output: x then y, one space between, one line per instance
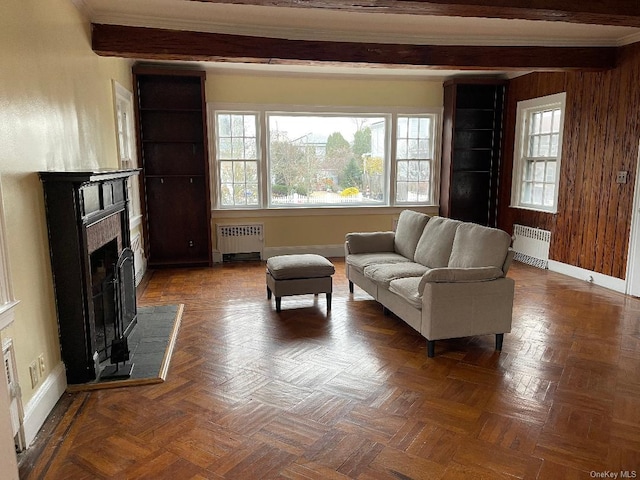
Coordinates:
86 211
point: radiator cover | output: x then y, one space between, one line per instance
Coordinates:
240 238
531 246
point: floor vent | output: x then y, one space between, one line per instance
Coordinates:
531 246
240 239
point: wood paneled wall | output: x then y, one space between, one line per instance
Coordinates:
601 135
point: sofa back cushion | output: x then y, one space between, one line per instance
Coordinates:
410 227
435 244
478 246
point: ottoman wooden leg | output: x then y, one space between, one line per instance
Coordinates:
278 303
328 301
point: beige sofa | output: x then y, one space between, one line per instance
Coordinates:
445 278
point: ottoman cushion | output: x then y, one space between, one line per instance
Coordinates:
308 265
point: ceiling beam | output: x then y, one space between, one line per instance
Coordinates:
597 12
161 44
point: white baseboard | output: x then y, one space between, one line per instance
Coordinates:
595 278
324 250
41 404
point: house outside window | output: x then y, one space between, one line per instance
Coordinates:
273 158
538 153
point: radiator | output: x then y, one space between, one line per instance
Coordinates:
240 238
531 246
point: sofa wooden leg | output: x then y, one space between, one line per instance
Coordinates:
328 301
386 311
268 293
431 348
350 286
278 303
499 338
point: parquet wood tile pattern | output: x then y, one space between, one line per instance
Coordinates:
253 394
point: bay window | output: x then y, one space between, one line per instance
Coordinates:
275 158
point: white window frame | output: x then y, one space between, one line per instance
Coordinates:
524 111
261 111
125 141
7 299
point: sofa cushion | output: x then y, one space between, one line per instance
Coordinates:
370 242
460 275
361 260
308 265
436 242
478 246
410 227
383 274
407 288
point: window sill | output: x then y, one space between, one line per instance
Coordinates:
320 211
534 209
7 314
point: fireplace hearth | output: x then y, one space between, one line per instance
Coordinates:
93 271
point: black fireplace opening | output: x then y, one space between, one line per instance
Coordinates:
114 300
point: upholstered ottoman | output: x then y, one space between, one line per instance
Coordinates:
299 275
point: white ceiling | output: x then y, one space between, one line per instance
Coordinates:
323 24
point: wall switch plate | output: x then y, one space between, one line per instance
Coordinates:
621 176
33 372
41 365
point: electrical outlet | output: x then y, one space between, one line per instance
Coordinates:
41 365
33 371
621 177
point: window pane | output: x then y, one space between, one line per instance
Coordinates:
527 173
402 151
535 123
549 193
525 196
547 118
402 190
226 172
533 146
226 190
326 159
554 145
402 127
551 172
224 125
252 172
537 193
556 120
543 148
224 149
538 175
413 148
425 171
402 171
249 126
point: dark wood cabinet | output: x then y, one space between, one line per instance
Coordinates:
471 147
172 143
88 228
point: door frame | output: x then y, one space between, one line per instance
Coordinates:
633 255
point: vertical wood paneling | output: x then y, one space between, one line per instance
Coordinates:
601 133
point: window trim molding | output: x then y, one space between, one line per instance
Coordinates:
523 107
7 298
261 110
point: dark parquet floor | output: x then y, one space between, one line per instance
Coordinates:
253 394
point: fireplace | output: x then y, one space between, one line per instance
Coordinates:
92 266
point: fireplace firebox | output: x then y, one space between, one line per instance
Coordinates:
92 265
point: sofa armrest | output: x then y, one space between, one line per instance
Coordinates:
369 242
453 310
460 275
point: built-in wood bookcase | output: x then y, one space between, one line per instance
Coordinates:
471 144
172 143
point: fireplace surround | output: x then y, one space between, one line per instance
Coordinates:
92 265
